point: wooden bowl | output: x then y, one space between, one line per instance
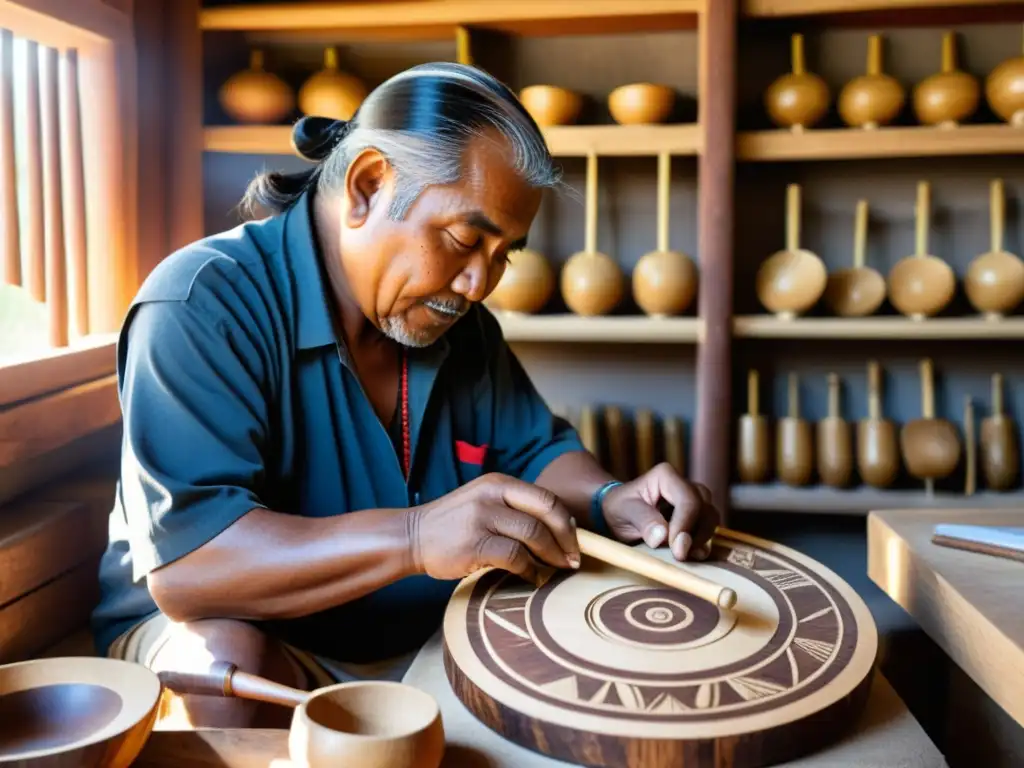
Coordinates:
664 283
591 283
921 286
331 92
527 284
256 96
76 711
367 724
641 103
551 105
856 292
790 282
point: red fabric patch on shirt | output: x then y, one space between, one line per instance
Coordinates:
470 454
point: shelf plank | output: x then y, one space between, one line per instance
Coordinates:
881 328
850 144
859 501
611 329
563 141
437 19
790 8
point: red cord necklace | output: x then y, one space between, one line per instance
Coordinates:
406 446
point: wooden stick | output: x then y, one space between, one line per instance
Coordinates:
797 45
463 47
793 217
948 53
794 396
927 390
833 395
997 214
590 239
860 235
636 561
664 188
874 391
997 394
874 55
971 477
923 204
753 406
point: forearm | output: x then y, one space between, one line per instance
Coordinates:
574 478
269 565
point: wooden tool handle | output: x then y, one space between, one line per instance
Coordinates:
256 59
874 55
997 394
645 453
997 212
618 453
833 395
860 235
642 564
590 238
589 432
927 390
874 390
948 52
330 58
793 217
753 406
794 396
797 53
923 208
463 46
971 474
224 679
675 449
664 187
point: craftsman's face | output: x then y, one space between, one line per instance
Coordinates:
415 277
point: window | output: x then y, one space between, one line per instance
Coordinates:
67 200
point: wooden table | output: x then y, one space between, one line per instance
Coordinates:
971 605
887 736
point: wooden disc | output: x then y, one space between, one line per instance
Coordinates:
604 668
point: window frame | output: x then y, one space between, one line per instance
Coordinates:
102 32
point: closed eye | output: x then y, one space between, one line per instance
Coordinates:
459 244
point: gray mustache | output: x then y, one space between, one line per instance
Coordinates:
452 307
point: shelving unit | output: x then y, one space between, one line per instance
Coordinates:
742 168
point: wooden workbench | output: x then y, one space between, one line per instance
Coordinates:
887 736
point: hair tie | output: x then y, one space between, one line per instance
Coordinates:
315 137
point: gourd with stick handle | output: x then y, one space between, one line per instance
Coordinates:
798 99
791 281
1004 90
795 444
591 282
753 444
949 97
878 453
873 99
994 283
664 281
1000 449
834 441
930 446
859 291
921 285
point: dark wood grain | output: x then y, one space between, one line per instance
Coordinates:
717 104
752 750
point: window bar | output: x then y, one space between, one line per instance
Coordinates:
74 195
10 244
35 237
56 266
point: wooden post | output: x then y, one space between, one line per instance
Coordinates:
717 99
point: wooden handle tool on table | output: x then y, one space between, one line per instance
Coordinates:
636 561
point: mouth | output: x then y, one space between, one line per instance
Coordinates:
446 311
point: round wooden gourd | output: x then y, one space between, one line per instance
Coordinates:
256 96
526 285
600 667
331 92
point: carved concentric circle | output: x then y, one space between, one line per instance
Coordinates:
603 650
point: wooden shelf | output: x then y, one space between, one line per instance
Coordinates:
797 8
612 329
883 328
849 144
563 141
438 19
859 501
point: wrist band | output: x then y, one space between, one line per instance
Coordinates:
598 524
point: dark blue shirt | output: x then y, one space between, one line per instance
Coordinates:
237 393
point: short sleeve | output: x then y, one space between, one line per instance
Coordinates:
526 435
195 420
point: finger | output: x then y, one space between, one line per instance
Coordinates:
641 520
529 531
710 519
544 506
686 510
508 554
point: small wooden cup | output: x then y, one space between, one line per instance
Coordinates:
794 450
550 105
834 441
753 441
641 103
878 453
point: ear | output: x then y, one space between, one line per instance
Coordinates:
366 179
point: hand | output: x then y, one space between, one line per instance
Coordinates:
631 512
496 521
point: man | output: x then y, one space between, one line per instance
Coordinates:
324 429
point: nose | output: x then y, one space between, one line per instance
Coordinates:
472 281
